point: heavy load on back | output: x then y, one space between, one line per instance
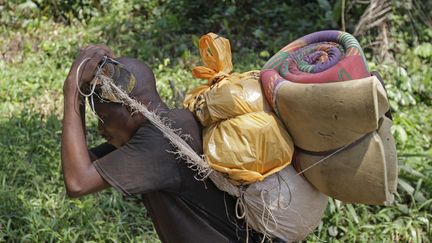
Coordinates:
343 142
242 136
320 87
244 140
332 108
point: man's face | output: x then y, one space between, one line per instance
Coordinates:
118 125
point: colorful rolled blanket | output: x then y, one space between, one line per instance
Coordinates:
302 84
320 57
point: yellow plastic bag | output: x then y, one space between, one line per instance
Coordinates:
215 52
242 138
248 147
235 95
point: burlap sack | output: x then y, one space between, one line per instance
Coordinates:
284 205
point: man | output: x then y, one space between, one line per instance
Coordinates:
136 158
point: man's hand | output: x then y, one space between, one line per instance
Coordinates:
89 59
80 175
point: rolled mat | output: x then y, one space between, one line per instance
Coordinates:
322 117
363 172
302 82
345 146
320 57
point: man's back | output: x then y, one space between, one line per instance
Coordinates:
182 208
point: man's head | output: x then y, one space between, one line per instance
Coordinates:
118 123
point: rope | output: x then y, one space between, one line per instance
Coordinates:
244 207
93 84
194 161
77 80
322 160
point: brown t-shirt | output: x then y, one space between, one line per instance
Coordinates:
182 208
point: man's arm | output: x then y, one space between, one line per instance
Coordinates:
80 176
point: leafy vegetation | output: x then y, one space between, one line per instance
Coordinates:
39 39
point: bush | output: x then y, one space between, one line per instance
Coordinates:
39 40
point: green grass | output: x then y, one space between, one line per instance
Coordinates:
33 205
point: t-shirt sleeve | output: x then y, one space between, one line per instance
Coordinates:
144 164
102 150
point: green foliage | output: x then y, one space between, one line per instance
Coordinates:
34 206
39 39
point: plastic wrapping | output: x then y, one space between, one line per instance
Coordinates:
248 147
242 137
